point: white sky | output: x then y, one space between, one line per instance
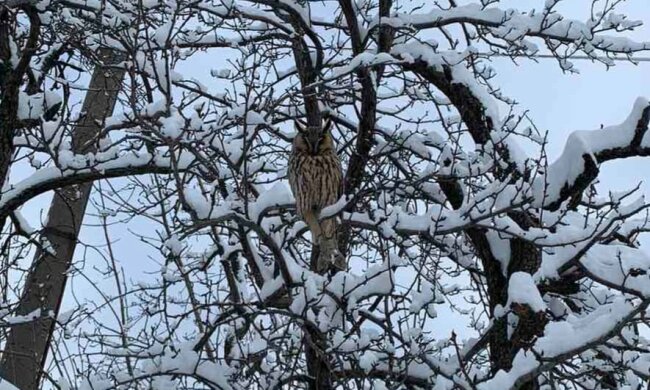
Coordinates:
557 102
561 103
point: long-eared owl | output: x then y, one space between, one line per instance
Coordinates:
316 177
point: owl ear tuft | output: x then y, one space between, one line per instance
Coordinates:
327 127
300 128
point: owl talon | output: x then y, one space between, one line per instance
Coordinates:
338 261
330 258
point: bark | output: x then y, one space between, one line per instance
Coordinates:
525 257
314 340
355 174
318 361
11 78
27 345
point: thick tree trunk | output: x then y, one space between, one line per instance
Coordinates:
10 82
27 345
524 257
318 364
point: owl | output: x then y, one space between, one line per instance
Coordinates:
316 178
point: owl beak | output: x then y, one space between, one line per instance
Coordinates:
313 142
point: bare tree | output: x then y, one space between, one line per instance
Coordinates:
27 344
443 212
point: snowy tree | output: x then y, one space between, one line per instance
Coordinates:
451 208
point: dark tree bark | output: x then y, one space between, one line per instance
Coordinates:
355 174
11 78
27 345
524 256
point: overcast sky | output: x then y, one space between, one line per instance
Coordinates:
557 102
561 103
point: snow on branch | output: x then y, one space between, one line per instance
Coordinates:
468 262
566 338
513 25
47 179
475 104
577 166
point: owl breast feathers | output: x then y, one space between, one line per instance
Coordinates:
315 177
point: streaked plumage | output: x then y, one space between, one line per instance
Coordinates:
315 177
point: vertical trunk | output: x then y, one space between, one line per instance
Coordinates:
27 345
358 163
525 257
318 365
10 81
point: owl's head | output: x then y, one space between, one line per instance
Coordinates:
313 141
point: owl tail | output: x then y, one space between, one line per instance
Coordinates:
329 256
323 234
